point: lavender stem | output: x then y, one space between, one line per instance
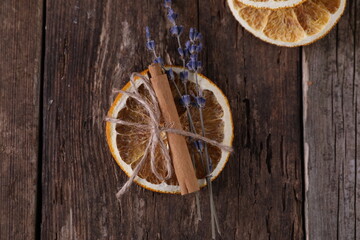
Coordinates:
214 217
191 123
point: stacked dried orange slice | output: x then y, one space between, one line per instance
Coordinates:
127 143
289 23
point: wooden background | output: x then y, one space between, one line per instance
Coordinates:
296 168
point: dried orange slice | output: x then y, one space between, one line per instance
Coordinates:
290 27
271 4
127 143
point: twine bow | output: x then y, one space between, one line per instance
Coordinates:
155 130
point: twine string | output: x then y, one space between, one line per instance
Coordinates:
155 130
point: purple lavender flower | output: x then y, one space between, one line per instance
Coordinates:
159 60
198 36
184 76
194 65
188 45
193 48
171 15
181 52
192 34
194 57
191 65
186 100
200 101
176 30
170 74
150 45
167 3
186 49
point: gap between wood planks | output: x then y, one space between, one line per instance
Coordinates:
38 215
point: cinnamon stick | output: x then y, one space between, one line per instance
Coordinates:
183 166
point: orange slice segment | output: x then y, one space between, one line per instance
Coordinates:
290 27
127 143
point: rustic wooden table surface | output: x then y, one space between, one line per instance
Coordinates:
296 168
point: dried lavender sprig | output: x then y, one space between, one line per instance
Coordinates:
186 100
151 46
183 52
194 65
176 31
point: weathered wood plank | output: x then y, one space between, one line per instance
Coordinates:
20 60
332 121
263 181
91 47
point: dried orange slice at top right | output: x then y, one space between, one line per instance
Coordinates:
290 27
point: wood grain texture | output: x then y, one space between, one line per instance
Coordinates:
20 60
93 46
332 121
